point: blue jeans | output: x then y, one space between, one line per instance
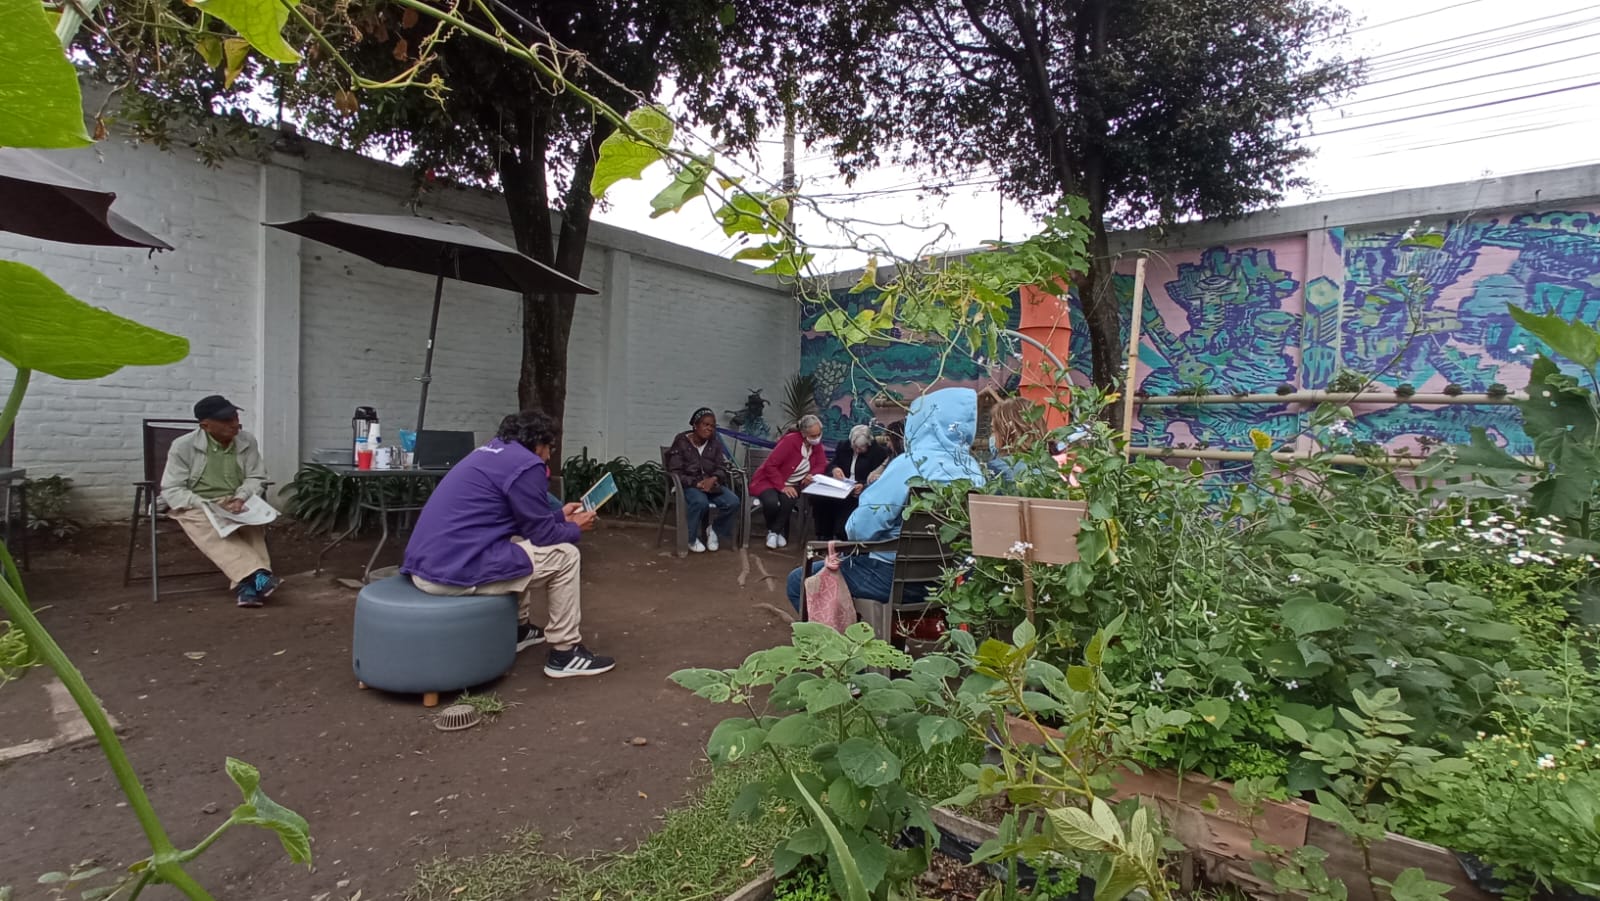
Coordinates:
868 578
697 502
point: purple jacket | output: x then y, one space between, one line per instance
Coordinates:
463 535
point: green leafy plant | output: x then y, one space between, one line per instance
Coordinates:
799 399
51 332
322 500
804 883
1527 808
641 488
1366 762
1561 416
841 748
1347 382
1054 781
48 500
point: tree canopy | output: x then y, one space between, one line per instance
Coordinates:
488 119
1151 110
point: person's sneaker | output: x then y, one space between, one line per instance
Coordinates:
783 541
772 541
711 542
695 547
246 593
576 661
528 635
266 583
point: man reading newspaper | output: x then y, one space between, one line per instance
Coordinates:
213 484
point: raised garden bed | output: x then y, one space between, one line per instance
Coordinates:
1203 816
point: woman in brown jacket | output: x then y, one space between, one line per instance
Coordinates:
696 460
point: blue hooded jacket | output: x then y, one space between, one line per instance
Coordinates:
939 433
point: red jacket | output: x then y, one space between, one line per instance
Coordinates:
780 465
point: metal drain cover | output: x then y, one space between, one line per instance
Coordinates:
457 717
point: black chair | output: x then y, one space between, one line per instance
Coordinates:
148 507
800 519
920 560
674 505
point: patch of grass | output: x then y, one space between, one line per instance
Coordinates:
489 704
698 854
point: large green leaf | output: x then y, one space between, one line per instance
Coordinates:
853 888
50 331
622 156
1560 418
1306 616
258 21
40 104
867 762
1576 341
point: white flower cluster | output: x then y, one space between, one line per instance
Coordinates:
1547 762
1021 548
1340 428
1158 682
1239 692
1499 532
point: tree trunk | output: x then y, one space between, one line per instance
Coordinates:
547 318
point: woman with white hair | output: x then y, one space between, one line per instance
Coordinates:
854 459
787 471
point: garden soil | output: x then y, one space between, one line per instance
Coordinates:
193 680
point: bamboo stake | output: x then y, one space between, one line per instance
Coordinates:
1185 453
1131 384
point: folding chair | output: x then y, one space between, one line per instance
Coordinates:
148 507
676 507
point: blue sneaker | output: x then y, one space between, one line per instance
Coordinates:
265 583
247 595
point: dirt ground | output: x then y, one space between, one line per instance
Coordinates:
380 786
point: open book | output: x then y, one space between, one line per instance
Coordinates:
828 486
257 512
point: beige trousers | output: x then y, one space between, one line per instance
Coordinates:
555 569
238 555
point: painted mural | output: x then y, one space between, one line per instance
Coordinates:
1300 310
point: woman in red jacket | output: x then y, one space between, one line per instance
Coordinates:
798 457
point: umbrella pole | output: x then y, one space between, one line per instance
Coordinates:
427 360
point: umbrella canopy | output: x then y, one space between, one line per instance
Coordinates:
435 248
42 200
440 249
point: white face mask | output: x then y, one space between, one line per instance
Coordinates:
814 441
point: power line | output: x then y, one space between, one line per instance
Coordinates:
1498 30
1461 109
1458 98
1410 17
1431 87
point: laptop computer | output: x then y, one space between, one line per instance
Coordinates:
441 449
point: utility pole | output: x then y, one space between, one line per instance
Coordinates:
790 182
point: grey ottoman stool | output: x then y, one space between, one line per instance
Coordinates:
410 642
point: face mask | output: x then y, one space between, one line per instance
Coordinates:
994 447
814 441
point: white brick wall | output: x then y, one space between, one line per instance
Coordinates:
686 329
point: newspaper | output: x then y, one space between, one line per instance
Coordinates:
257 512
828 486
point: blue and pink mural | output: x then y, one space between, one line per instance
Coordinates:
1299 310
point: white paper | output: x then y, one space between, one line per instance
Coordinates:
257 512
828 486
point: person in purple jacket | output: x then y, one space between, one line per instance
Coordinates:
489 528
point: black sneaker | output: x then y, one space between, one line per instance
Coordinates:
528 635
576 661
266 583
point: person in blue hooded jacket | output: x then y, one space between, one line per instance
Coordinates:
939 434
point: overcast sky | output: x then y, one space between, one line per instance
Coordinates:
1449 97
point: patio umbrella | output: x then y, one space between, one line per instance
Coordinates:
441 249
42 200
